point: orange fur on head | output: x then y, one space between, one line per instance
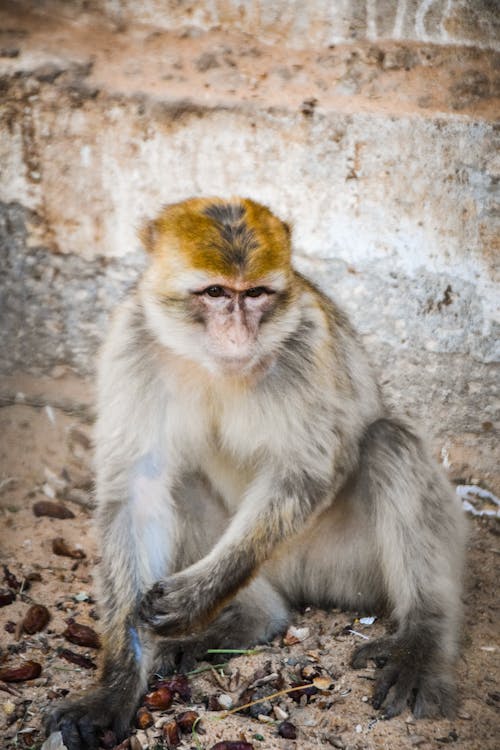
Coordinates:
238 238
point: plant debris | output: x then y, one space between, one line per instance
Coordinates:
52 509
28 670
82 635
36 618
79 659
60 547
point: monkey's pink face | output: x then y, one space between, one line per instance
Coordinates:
232 319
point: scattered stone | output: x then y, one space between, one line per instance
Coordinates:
287 730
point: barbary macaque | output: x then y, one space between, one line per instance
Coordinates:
246 464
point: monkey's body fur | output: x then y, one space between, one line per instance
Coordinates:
246 463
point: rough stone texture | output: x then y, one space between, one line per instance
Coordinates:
305 24
384 157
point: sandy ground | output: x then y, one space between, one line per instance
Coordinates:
45 451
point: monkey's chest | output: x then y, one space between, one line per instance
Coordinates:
227 476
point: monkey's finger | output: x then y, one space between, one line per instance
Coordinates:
402 691
384 683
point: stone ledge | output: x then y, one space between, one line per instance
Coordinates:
232 69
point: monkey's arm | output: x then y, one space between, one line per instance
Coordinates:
275 508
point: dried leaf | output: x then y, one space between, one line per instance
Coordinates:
36 618
82 635
229 745
79 659
60 547
28 670
52 509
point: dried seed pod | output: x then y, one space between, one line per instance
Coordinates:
230 745
78 659
28 670
171 734
6 597
178 685
186 720
144 718
36 618
159 700
60 547
287 730
52 509
82 635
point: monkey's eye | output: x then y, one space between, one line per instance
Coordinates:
256 291
214 291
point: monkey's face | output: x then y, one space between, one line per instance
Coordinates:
232 315
219 289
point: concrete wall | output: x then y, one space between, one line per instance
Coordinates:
390 181
302 24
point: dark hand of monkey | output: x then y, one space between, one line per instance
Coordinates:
82 722
407 675
176 606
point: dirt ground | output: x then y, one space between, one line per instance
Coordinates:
45 454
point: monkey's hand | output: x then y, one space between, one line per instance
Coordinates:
407 675
82 721
177 605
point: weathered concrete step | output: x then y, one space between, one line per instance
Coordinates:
230 68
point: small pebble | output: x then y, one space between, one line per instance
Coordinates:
265 719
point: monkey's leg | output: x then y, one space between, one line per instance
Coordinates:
137 539
419 540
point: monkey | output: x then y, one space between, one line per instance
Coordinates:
246 464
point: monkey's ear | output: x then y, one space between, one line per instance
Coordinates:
288 228
148 235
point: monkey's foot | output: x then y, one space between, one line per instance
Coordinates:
174 605
407 677
82 721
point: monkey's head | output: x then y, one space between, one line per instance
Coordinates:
220 285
